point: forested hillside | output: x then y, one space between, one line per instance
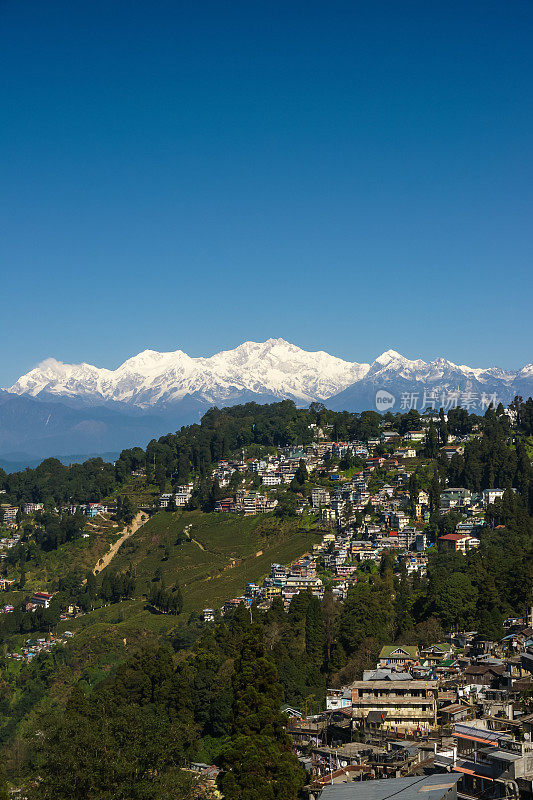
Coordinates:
148 684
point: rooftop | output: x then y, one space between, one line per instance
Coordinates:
429 787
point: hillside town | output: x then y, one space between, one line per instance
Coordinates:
457 706
452 707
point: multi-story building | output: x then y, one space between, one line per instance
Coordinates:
338 698
9 512
32 508
405 706
420 542
457 497
271 479
490 495
319 497
278 572
227 504
253 503
41 599
459 542
415 436
183 494
257 466
301 584
399 520
406 537
398 656
405 452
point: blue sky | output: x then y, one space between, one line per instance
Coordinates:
351 176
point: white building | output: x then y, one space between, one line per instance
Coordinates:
320 497
271 480
490 495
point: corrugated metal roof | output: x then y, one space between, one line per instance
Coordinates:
429 787
504 755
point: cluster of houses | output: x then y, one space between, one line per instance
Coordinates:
8 514
256 483
8 540
337 556
342 551
453 708
360 524
42 644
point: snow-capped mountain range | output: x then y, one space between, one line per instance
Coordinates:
59 408
274 368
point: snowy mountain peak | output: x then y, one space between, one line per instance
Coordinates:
388 356
275 368
392 361
265 370
526 371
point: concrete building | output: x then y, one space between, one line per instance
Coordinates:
406 706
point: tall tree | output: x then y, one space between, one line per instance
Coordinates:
258 763
314 632
443 428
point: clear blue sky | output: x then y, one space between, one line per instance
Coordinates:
351 176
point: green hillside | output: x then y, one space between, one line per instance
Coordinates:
221 557
212 560
211 556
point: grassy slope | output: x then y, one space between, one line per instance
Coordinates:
237 550
80 555
105 636
230 558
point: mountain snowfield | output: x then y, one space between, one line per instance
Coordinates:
274 368
63 409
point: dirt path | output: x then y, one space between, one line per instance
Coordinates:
187 532
137 522
200 545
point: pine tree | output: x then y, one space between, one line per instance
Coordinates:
301 475
91 585
22 579
176 600
258 763
523 471
414 489
330 613
4 792
314 632
434 493
443 428
432 443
